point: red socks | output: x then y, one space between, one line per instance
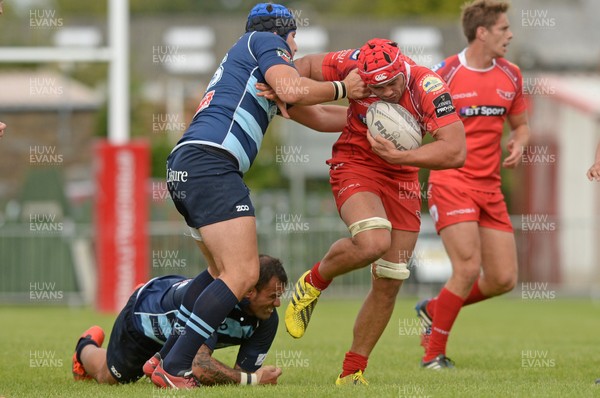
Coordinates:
315 278
352 363
474 296
447 307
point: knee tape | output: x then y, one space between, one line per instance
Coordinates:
369 223
386 269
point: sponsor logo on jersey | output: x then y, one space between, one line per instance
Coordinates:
380 77
443 105
284 54
431 84
239 208
472 94
482 110
363 118
438 66
341 55
176 175
506 95
206 100
218 73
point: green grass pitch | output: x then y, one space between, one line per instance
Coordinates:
505 347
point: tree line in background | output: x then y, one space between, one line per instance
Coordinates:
374 8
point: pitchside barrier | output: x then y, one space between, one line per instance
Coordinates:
59 267
51 267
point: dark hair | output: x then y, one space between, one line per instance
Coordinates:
270 267
481 13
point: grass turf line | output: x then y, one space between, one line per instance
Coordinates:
502 348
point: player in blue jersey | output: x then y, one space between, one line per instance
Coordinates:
144 324
205 170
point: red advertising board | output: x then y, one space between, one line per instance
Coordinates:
121 221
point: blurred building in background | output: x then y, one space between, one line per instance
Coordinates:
172 60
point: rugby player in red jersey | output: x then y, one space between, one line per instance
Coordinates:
376 187
467 204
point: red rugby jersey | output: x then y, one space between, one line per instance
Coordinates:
426 97
483 99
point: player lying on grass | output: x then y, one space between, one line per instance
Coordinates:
144 324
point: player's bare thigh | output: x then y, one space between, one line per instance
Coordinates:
499 261
401 249
233 246
463 245
212 266
363 205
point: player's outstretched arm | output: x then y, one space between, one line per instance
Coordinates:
311 66
324 118
291 88
519 137
2 127
210 371
449 150
594 171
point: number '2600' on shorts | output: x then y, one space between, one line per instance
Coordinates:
206 185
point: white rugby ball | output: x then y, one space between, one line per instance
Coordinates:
394 123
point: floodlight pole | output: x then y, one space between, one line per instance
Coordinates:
118 41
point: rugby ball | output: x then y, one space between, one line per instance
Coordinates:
394 123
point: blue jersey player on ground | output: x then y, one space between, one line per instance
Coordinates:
205 170
144 324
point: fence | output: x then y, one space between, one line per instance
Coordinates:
57 265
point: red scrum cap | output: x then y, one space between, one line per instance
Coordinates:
379 61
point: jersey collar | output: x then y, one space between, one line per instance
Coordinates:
462 57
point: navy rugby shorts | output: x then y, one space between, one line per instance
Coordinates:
128 349
206 185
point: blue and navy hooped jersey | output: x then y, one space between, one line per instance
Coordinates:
231 115
157 306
